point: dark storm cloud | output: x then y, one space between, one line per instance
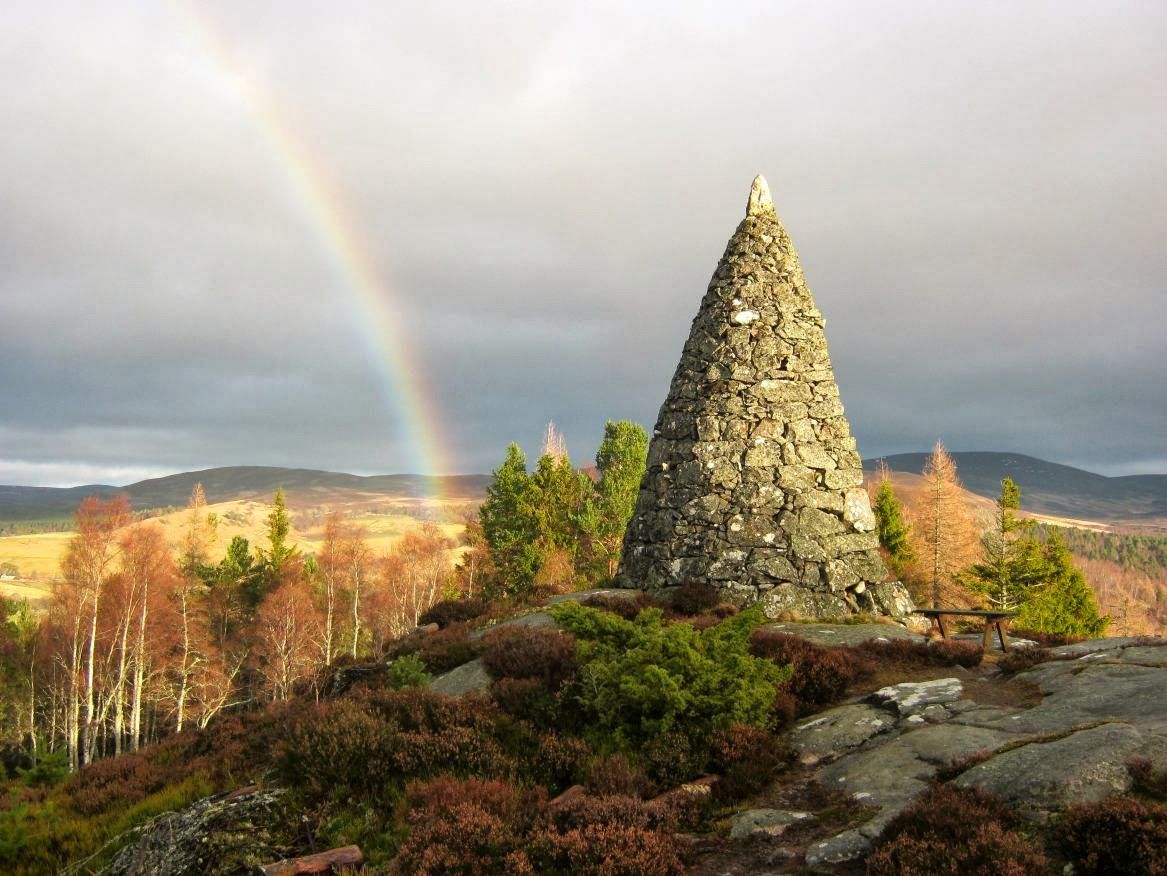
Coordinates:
978 196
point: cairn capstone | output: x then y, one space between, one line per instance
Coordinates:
753 479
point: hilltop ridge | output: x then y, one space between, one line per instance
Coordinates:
1048 487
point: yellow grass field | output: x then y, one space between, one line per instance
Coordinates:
38 557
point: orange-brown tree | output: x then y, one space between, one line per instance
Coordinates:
945 534
88 562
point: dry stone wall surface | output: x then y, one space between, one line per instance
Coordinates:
754 483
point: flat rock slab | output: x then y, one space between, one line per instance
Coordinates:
1083 693
765 822
887 775
943 743
839 730
913 697
537 619
1092 646
847 846
845 634
465 679
1145 655
1046 776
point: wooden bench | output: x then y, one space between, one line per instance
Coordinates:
993 619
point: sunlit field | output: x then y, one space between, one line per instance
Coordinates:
38 557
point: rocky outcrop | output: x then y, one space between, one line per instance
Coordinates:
753 483
226 833
1104 702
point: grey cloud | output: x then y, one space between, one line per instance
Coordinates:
977 194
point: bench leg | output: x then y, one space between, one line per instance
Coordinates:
987 638
1002 636
939 621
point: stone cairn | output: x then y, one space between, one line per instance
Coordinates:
753 482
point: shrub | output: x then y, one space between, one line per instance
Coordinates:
615 774
468 826
558 760
546 655
675 757
820 675
748 759
613 836
527 699
784 710
714 616
627 607
694 598
1118 835
50 769
1046 640
494 827
1147 778
641 680
447 649
369 745
113 782
407 671
453 611
956 831
1020 659
909 653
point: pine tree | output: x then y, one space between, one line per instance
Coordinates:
509 525
621 462
1059 601
893 531
279 552
1010 562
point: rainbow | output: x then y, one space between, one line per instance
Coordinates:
322 203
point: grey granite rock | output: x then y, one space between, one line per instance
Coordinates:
226 833
1045 776
845 634
1084 692
838 730
464 679
765 822
847 846
912 697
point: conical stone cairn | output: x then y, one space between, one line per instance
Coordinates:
754 484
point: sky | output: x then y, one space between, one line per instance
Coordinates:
393 237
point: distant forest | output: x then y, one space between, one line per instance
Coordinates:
1136 553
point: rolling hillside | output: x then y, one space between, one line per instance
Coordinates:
236 483
1049 488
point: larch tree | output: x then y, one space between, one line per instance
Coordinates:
946 532
201 531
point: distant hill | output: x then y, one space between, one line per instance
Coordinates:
1050 488
305 486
